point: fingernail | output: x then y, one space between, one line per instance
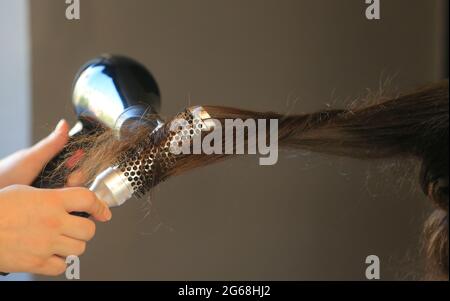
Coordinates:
59 126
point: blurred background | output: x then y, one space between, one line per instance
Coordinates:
308 217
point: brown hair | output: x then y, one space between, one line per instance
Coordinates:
410 125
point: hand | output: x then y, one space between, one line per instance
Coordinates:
24 166
37 231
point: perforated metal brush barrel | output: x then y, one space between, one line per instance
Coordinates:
139 170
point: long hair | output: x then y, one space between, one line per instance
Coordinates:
410 125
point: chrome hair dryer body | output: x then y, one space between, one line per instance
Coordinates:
112 92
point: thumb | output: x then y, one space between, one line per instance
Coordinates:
42 152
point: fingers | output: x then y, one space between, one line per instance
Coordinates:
76 179
53 266
42 152
23 166
84 200
39 226
78 228
66 246
50 146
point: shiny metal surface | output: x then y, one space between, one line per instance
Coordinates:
143 167
115 91
121 94
111 187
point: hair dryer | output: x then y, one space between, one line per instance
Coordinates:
117 92
109 91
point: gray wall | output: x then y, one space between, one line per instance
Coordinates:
309 217
15 103
14 76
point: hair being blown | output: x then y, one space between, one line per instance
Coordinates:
410 125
